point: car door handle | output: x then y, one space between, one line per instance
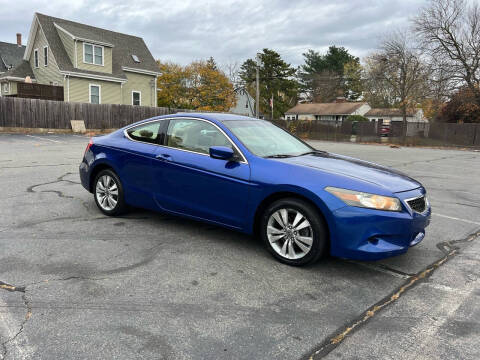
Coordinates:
164 157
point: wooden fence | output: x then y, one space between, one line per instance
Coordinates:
435 134
35 113
39 91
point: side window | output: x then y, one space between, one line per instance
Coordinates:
194 135
146 133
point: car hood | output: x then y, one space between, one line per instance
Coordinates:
392 180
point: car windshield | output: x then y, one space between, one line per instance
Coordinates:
264 139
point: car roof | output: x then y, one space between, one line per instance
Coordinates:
215 117
212 116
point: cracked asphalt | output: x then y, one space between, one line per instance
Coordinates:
75 284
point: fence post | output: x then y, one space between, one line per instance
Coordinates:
445 134
475 134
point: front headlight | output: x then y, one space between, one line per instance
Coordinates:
365 200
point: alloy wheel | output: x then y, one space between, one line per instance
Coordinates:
290 233
107 192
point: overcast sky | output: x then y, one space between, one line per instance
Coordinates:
185 30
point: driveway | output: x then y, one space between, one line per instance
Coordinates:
79 285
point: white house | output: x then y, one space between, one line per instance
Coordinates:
245 103
336 111
391 115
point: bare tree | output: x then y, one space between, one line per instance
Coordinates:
450 35
401 74
231 69
378 92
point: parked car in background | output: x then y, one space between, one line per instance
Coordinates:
385 130
250 175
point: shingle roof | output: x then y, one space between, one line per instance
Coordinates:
10 55
344 108
123 46
20 71
388 112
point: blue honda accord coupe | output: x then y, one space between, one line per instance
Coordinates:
250 175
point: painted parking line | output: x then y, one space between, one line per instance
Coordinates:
81 136
455 218
42 138
381 268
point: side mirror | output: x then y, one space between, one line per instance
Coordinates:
221 152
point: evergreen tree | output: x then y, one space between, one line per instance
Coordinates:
277 82
324 77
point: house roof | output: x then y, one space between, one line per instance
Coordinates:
242 91
389 112
21 71
343 108
10 55
123 46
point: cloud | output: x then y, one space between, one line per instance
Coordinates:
228 30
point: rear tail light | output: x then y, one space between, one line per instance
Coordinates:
89 145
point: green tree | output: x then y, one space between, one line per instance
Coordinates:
336 73
277 81
211 64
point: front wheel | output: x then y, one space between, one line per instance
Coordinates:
293 231
109 193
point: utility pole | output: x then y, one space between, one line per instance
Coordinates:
257 97
271 104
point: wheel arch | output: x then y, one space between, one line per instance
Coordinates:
289 194
96 169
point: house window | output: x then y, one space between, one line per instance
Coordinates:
35 58
5 88
135 58
45 56
136 97
94 94
92 54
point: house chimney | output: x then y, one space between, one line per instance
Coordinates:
19 39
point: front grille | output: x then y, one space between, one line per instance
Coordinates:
417 204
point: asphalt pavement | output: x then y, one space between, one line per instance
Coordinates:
75 284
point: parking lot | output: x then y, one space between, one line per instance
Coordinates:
78 284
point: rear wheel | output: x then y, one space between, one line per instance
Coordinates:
109 193
293 231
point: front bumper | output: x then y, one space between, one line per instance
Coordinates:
365 234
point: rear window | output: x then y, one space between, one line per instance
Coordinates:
145 132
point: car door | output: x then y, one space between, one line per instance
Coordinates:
188 181
139 149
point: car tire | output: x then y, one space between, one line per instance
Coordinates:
299 235
108 193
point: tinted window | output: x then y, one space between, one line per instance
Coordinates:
194 135
146 133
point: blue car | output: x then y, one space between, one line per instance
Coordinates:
252 176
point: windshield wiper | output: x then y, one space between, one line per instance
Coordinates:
313 152
278 156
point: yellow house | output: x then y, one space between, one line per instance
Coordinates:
93 65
